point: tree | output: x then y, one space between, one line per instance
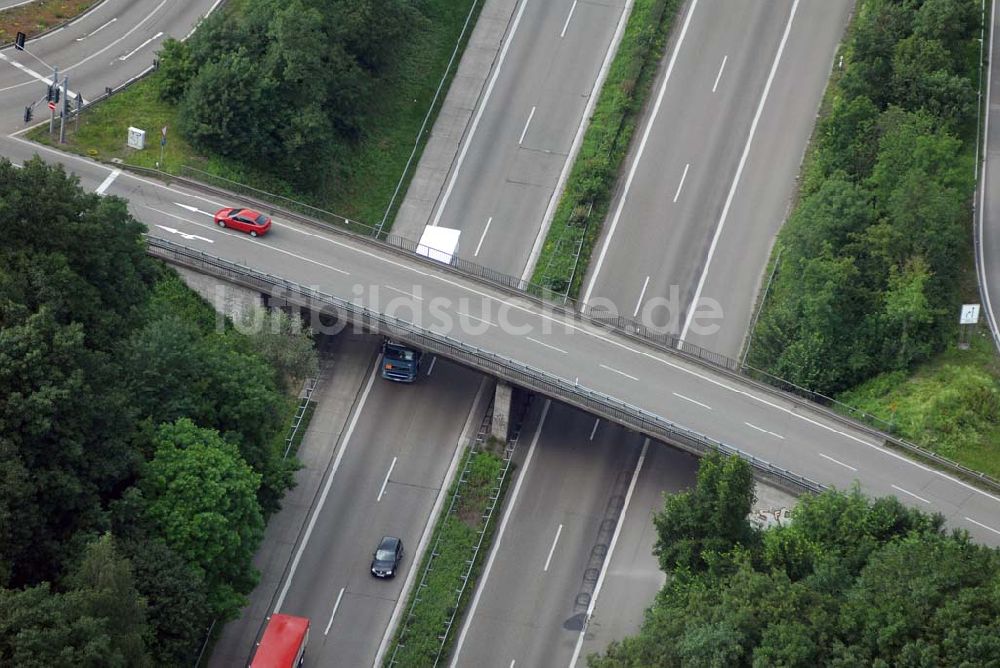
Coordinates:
712 517
201 498
108 586
284 342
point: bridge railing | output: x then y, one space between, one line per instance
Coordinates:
624 325
502 367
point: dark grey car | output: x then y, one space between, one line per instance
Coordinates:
386 559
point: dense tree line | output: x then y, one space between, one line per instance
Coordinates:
871 257
850 582
280 81
140 441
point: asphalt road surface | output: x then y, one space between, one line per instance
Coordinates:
988 197
709 181
523 127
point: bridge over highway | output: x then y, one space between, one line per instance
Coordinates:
607 365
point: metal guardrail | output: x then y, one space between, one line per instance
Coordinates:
487 361
620 324
300 412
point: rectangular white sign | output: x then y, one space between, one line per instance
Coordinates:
970 314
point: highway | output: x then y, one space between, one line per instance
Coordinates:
710 88
777 430
988 196
520 134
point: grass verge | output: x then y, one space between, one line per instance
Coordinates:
584 203
950 404
39 16
361 177
418 640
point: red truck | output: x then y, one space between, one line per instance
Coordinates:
283 644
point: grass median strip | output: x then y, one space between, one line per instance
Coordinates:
38 16
452 561
585 200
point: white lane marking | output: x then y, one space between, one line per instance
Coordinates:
249 239
184 235
568 17
403 292
558 350
594 430
194 209
485 230
776 435
479 116
471 423
31 73
736 179
904 491
574 149
846 466
551 550
120 39
719 75
697 403
207 14
638 156
326 488
516 305
334 613
20 4
472 317
386 481
108 181
607 557
140 47
988 528
80 39
642 294
512 661
605 366
753 426
527 123
680 185
431 367
471 614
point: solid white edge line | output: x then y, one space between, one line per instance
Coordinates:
846 466
608 556
326 488
481 584
719 75
552 549
485 230
563 33
680 186
479 116
906 491
550 209
526 124
404 594
386 481
638 156
334 613
736 179
982 188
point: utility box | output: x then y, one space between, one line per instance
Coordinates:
136 138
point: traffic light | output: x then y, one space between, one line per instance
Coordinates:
27 114
19 41
49 94
56 89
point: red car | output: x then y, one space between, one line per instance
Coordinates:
253 222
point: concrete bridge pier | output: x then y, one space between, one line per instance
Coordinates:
501 411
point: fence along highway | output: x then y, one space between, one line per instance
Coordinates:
562 354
